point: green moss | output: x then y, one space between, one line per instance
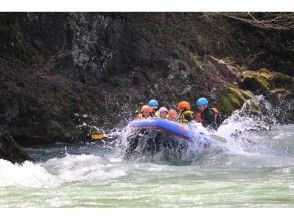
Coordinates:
224 105
257 81
265 81
246 94
282 81
231 99
262 76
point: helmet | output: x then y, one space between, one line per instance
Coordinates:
172 113
153 103
202 101
184 104
163 109
146 109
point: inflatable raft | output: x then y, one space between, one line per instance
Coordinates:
179 130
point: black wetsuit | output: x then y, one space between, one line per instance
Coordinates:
210 120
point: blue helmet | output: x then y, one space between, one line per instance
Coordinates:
201 101
153 103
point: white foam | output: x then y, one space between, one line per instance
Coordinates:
57 171
239 123
27 174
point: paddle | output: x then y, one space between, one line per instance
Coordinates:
97 136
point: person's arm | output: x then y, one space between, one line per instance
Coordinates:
212 120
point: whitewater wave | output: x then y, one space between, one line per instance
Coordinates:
251 133
58 171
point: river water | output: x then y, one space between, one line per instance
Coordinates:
254 169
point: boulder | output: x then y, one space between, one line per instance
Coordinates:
277 87
11 151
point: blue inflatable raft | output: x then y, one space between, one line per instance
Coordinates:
182 131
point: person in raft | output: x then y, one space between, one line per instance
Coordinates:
172 115
163 112
146 112
209 117
137 113
154 104
185 113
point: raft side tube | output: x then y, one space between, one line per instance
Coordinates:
173 128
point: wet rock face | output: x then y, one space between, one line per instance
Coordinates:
94 46
278 88
31 38
54 66
268 83
103 47
46 32
8 111
11 151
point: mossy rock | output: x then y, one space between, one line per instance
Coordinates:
257 82
281 81
264 81
277 87
231 99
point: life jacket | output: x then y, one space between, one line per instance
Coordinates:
157 114
140 115
186 116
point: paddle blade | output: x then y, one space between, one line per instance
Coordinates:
98 136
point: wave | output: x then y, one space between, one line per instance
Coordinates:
58 171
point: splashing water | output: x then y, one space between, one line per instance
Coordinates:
251 164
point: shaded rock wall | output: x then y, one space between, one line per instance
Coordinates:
59 70
10 150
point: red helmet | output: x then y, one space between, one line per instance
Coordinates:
172 113
146 109
184 105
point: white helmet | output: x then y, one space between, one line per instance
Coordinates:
163 109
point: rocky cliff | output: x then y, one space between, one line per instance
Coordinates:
58 70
